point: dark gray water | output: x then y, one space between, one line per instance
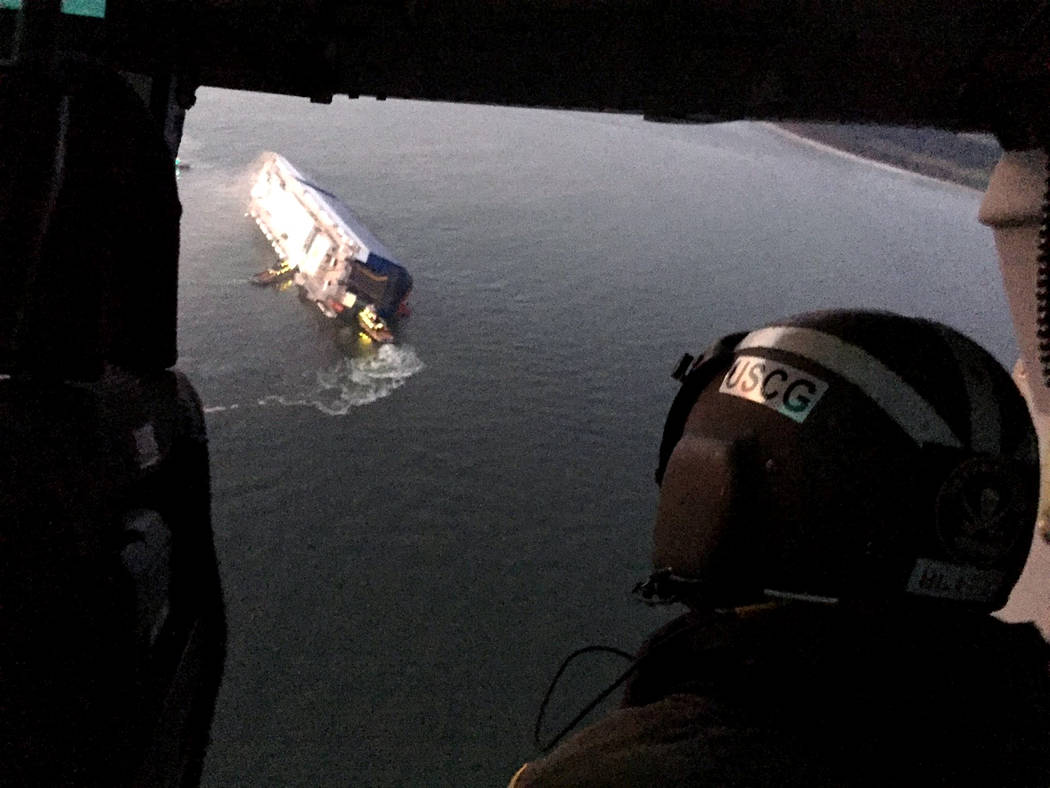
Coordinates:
411 540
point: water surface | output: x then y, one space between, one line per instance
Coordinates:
412 539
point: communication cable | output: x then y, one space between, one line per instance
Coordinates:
636 662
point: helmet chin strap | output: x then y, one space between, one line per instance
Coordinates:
792 596
664 587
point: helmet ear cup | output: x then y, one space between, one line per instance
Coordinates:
721 557
700 373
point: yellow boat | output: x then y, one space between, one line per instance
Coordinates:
373 325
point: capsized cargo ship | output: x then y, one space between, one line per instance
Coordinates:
327 251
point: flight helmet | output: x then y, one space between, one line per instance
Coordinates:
845 456
89 217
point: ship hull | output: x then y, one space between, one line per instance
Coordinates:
332 257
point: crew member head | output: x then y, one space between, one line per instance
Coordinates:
846 456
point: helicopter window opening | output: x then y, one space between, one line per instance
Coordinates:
861 226
95 8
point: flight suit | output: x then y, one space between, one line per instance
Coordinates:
806 695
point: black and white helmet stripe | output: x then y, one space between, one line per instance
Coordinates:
895 396
986 426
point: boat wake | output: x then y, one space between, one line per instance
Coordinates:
219 408
354 382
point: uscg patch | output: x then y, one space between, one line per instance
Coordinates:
980 512
781 387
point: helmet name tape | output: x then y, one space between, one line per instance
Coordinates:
880 383
781 387
954 581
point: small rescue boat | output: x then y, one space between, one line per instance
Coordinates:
273 275
373 325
